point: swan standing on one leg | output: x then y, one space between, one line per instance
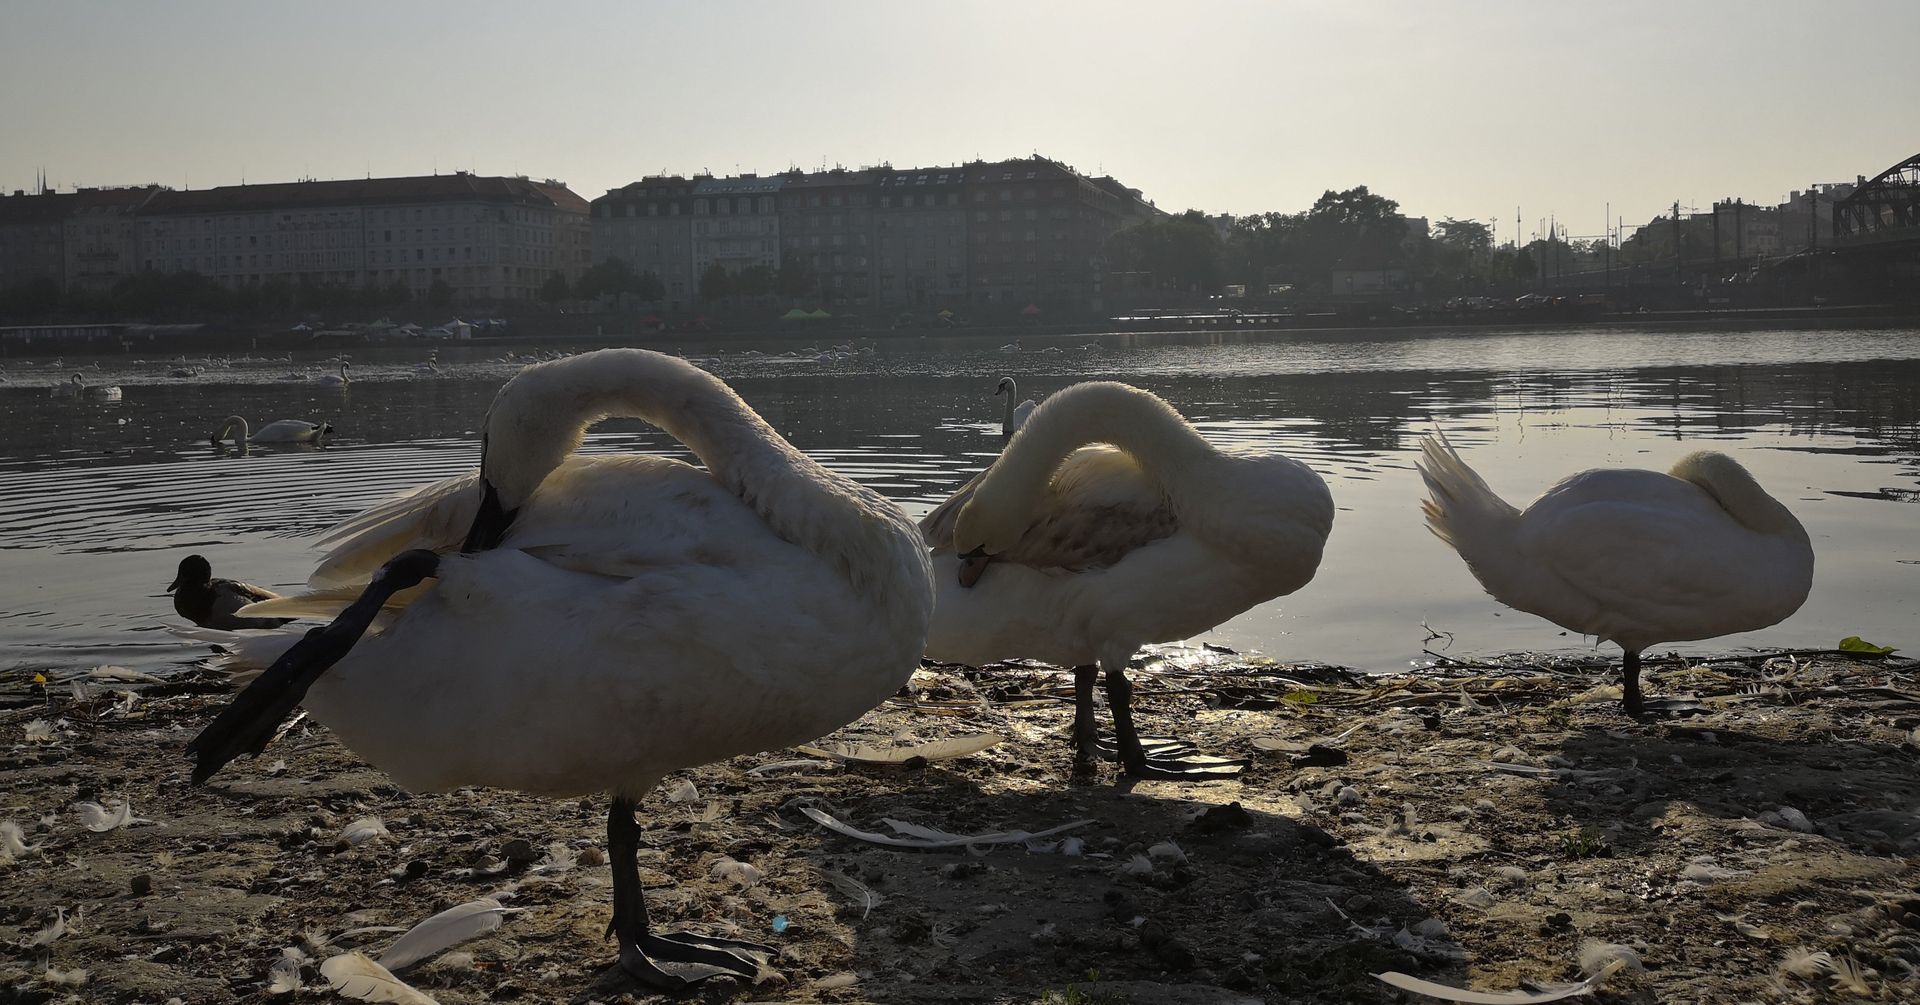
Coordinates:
609 618
277 431
1107 524
1016 415
1628 556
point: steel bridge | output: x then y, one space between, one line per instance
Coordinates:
1884 209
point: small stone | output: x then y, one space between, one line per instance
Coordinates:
1320 755
592 856
519 851
142 885
1232 816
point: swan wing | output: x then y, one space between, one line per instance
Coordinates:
1661 565
436 517
936 528
1101 506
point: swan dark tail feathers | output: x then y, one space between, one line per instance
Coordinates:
1460 507
248 724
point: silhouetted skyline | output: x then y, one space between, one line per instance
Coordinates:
1455 109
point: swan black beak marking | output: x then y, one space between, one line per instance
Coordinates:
972 565
490 524
247 725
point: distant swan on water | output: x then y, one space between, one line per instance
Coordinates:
340 379
1629 556
277 431
1109 523
566 624
1015 416
77 387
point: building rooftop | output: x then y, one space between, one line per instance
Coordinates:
458 187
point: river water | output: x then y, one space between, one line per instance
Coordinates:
100 498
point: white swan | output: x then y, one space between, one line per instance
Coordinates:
76 387
610 618
277 431
1016 415
1629 556
340 379
1109 523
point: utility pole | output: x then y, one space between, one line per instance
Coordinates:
1607 248
1679 259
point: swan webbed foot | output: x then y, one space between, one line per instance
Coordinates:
1170 759
671 961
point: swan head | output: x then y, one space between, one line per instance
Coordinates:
193 571
1006 387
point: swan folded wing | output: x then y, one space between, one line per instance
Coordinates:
1101 506
435 517
1671 573
936 528
327 603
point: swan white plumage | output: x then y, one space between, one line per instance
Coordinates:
610 618
340 379
1015 415
277 431
76 386
1108 523
1629 556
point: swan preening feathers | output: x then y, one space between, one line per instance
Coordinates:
605 619
1629 556
1107 524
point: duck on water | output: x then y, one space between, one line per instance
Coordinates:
677 616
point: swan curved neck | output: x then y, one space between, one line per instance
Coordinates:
1137 422
1735 489
542 414
1012 391
232 423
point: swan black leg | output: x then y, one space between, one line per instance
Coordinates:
670 960
1171 760
1086 732
1630 684
248 723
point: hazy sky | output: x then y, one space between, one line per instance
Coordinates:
1464 109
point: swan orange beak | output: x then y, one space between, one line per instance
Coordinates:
972 565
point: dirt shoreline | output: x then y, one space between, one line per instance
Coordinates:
1486 821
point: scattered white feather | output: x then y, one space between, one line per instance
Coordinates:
454 961
99 819
283 976
1139 865
445 930
1803 962
74 978
1849 974
53 930
1596 956
926 837
560 858
277 767
685 792
861 894
802 764
1744 927
356 976
363 830
13 843
835 981
932 750
1073 846
740 873
39 731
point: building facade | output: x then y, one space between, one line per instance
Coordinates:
996 237
490 239
649 226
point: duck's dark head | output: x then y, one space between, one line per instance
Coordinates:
194 571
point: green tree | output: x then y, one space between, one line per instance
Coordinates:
796 278
716 283
554 289
1470 236
648 288
754 281
608 278
1182 252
